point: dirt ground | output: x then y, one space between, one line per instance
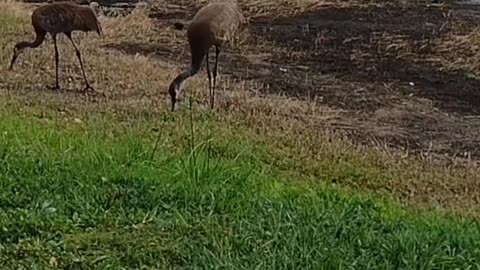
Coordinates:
386 68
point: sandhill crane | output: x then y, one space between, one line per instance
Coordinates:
213 24
56 18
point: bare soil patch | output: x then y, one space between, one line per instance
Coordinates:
381 66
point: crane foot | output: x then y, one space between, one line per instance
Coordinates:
90 90
54 87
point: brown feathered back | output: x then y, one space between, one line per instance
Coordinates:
86 17
215 23
61 17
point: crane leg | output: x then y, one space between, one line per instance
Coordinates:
87 86
209 80
57 85
217 52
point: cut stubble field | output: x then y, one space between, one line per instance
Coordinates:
334 143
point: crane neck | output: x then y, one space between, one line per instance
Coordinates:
180 79
34 44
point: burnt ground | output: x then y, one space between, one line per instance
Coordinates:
380 65
385 79
377 64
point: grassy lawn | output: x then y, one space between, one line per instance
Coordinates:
91 195
125 184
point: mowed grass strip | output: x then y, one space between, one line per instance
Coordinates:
90 195
299 133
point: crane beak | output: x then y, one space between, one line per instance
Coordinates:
14 58
176 92
173 104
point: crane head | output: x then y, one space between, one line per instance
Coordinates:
17 50
176 92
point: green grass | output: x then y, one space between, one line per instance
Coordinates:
303 140
91 195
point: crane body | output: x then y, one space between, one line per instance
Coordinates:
213 25
57 18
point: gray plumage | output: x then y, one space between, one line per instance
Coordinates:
56 18
213 25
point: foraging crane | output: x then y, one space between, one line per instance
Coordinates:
56 18
213 24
